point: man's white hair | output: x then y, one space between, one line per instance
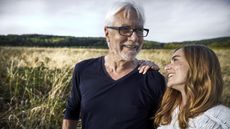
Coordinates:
127 5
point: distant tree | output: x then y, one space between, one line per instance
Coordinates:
96 42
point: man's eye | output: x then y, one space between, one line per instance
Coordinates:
125 28
140 29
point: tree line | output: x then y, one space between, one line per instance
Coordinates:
37 40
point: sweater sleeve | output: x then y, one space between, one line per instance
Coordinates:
217 117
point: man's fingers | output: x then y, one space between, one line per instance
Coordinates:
146 65
146 68
141 69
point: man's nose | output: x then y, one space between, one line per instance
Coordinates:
134 37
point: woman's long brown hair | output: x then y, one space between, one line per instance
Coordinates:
203 87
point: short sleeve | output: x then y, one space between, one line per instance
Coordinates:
73 104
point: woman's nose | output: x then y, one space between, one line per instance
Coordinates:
167 67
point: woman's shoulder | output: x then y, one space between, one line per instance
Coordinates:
220 112
215 117
218 109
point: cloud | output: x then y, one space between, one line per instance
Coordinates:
168 20
187 20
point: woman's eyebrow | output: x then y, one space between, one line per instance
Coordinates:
175 56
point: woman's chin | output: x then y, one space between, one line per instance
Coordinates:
169 85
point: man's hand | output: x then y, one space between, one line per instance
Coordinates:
146 65
69 124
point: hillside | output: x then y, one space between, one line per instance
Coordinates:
38 40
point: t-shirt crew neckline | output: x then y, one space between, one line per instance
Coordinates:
108 76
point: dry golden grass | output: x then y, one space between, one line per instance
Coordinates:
35 82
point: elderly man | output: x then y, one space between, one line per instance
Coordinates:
108 92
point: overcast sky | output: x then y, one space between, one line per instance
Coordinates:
168 20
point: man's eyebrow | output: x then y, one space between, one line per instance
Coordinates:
125 25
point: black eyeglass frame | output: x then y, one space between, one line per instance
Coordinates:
132 30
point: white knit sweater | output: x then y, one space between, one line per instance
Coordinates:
217 117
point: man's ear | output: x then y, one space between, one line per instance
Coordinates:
106 31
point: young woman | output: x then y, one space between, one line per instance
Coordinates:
194 87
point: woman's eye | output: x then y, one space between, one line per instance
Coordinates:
174 59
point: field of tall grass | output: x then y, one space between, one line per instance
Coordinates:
35 82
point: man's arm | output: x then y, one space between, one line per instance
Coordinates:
69 124
72 111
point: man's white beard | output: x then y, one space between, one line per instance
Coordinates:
130 56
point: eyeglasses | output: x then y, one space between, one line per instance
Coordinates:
128 31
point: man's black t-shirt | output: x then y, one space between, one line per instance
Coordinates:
104 103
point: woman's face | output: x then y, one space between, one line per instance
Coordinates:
177 71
